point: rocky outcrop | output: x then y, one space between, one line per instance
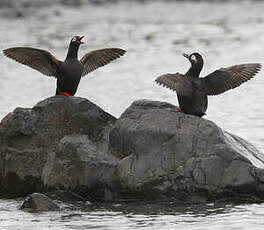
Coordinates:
38 202
71 148
165 153
61 143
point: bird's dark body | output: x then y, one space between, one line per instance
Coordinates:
196 104
192 91
69 76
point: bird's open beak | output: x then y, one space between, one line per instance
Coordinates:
80 40
185 55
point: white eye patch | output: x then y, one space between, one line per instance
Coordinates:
193 58
74 39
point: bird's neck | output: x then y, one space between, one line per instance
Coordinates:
72 52
194 71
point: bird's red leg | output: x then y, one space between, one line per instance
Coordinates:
65 94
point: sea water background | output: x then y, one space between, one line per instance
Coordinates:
154 33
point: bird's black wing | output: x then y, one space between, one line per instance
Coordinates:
228 78
97 58
40 60
176 82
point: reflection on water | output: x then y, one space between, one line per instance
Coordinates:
154 34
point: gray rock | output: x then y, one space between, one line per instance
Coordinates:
38 202
165 153
152 151
61 143
78 162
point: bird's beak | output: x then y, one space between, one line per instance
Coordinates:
185 55
80 40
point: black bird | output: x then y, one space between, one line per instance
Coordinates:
68 72
192 91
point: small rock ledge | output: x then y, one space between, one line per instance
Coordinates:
151 152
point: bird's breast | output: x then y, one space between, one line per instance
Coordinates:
72 69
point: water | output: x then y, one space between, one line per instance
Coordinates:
142 215
154 34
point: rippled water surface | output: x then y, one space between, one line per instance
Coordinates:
154 34
141 215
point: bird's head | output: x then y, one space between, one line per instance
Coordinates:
196 59
77 40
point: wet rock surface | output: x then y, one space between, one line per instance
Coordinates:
165 153
151 152
38 202
61 143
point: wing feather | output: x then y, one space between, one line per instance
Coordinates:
98 58
229 78
38 59
176 82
